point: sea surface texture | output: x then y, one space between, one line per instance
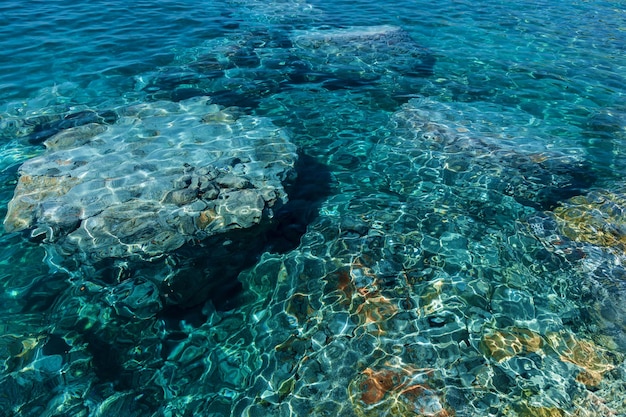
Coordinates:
313 208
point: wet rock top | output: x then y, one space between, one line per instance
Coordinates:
163 174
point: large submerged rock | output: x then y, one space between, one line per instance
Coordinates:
363 53
450 146
164 176
260 63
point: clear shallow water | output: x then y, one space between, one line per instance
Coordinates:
456 241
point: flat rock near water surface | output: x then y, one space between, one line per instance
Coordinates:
163 175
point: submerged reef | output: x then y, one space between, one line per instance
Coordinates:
201 266
450 153
260 63
429 290
164 178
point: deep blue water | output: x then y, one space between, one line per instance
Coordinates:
453 243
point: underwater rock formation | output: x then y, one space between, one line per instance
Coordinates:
259 63
36 129
166 175
596 218
361 53
589 232
442 151
415 292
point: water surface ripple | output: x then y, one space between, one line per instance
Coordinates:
452 245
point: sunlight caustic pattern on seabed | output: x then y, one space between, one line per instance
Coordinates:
457 251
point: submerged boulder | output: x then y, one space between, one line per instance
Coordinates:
259 63
362 53
443 147
164 176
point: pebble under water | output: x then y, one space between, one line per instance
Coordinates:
298 208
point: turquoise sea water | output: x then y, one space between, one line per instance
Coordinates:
453 244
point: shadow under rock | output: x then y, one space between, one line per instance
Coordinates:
306 194
219 260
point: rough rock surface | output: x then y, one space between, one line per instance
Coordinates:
165 174
260 63
442 151
362 53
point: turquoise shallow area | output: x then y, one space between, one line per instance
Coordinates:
454 244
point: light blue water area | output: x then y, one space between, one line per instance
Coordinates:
450 240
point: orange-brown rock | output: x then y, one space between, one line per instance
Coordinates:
30 190
511 341
377 384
